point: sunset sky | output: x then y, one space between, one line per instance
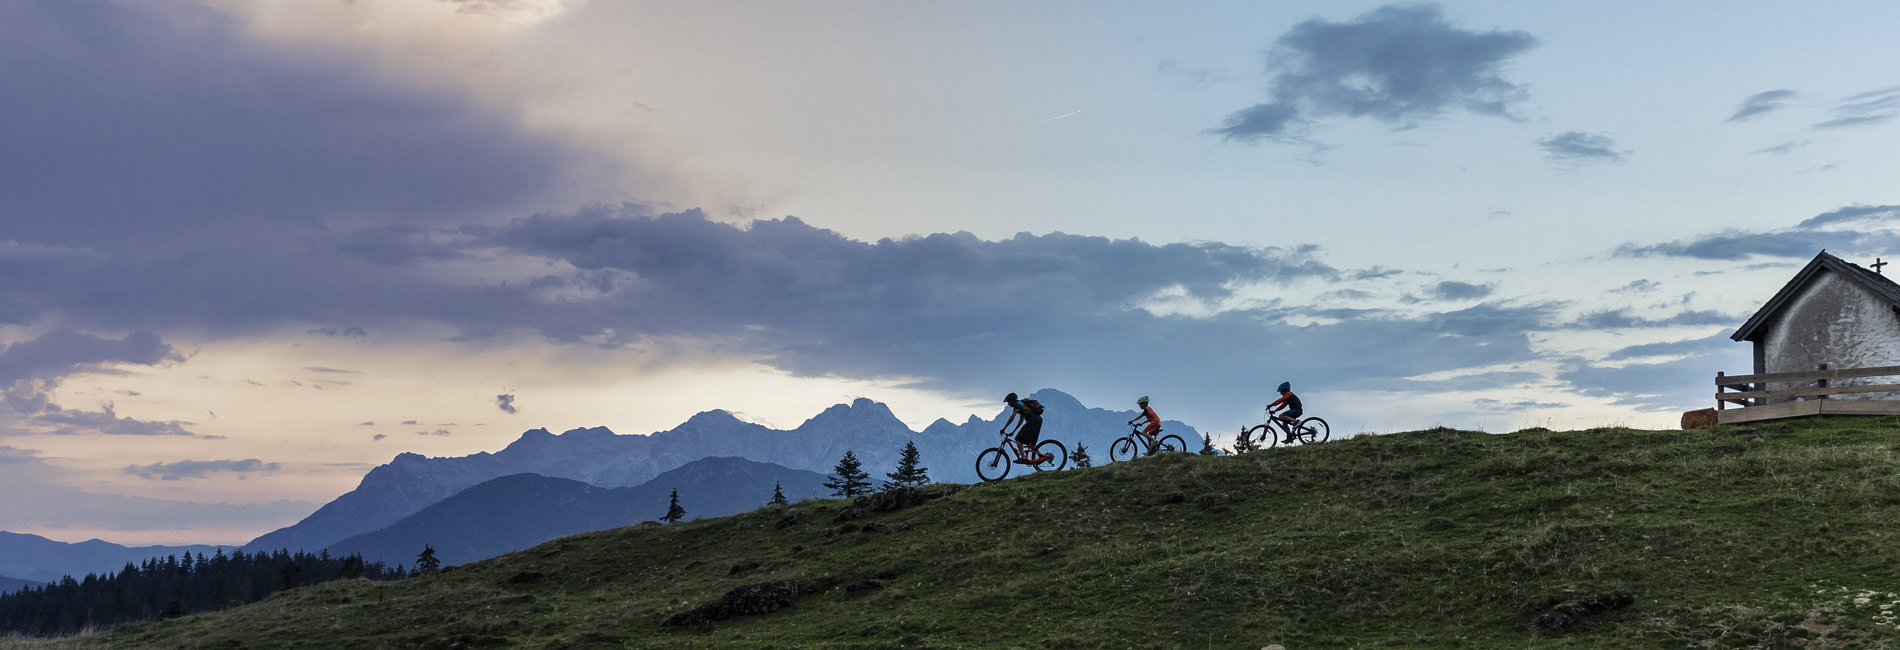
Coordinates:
251 249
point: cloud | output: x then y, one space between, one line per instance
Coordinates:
198 468
105 421
212 134
1882 214
1471 382
1172 69
368 423
1638 286
1761 103
1453 290
1623 319
1515 405
60 353
347 332
506 402
56 504
322 369
1865 109
437 432
1678 383
31 370
1811 235
1397 64
1572 148
378 437
408 422
1783 148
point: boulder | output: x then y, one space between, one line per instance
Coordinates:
1698 419
790 517
749 600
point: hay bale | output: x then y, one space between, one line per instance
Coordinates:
1698 419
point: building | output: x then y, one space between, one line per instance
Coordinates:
1833 315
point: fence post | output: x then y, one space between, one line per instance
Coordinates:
1720 404
1821 383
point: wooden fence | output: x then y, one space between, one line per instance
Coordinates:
1757 402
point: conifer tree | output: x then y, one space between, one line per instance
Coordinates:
1207 445
849 479
426 561
778 495
673 510
908 473
1081 456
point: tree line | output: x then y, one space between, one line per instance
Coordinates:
174 586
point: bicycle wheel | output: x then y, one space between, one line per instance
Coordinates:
1058 456
1122 449
993 464
1314 431
1171 443
1266 438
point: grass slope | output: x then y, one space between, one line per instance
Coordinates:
1779 535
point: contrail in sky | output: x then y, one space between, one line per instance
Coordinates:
1058 117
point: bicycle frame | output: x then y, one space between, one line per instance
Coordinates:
1148 446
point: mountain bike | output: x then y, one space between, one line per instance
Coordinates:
994 463
1310 431
1124 447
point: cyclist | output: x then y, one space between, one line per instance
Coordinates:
1153 422
1292 414
1030 431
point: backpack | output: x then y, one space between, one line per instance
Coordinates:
1033 405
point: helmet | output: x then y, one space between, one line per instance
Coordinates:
1143 401
1010 398
1285 387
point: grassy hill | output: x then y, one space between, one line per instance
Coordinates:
1777 535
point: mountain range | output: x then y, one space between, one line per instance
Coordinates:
601 458
521 510
10 585
43 560
577 481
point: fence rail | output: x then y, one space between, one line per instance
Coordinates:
1751 394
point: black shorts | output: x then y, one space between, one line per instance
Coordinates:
1030 433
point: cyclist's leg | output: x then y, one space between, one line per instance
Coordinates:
1028 436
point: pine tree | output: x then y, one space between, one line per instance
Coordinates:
426 561
1081 456
1207 445
908 472
849 478
673 510
778 495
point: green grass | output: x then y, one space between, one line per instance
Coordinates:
1752 536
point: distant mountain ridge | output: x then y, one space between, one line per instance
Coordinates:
518 511
599 457
43 560
11 585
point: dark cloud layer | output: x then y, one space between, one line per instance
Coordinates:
1398 64
162 122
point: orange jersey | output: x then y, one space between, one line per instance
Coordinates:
1154 421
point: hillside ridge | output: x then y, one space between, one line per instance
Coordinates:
1604 538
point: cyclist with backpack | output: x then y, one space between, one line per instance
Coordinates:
1153 425
1291 416
1030 430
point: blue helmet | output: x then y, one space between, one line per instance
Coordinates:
1285 387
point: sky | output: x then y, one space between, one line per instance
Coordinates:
250 249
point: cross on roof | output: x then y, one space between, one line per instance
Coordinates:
1877 264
